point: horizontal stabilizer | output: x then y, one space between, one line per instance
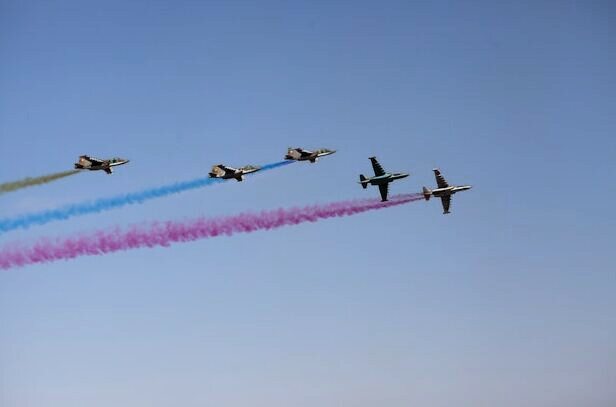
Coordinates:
363 181
427 193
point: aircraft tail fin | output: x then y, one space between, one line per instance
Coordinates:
363 181
427 193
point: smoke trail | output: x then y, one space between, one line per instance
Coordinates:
29 182
105 204
164 234
275 165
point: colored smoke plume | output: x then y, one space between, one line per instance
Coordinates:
105 204
164 234
29 182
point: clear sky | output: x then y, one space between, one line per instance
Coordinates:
508 301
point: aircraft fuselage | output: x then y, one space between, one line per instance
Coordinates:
223 172
386 178
88 163
439 192
297 154
115 164
98 167
312 158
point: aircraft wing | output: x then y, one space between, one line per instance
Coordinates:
378 169
446 201
304 153
227 169
383 189
93 161
440 180
108 170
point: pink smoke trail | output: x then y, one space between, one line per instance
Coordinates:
163 234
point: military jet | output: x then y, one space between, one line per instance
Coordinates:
95 164
381 178
299 154
444 190
224 172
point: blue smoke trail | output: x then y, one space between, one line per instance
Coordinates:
275 165
106 204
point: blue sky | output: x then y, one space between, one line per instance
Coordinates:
507 301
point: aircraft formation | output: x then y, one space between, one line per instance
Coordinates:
153 234
381 178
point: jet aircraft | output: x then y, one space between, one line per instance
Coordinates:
299 154
224 172
95 164
381 178
444 190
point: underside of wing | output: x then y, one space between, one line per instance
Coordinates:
446 201
440 180
378 169
383 189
